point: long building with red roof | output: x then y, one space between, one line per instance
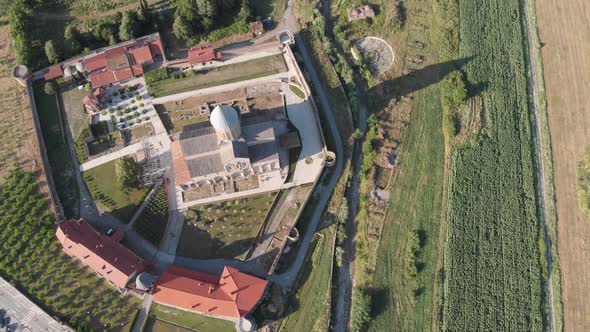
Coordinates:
232 295
122 63
202 54
104 254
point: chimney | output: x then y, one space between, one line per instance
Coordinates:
210 289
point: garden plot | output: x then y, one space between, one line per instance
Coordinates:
377 53
129 105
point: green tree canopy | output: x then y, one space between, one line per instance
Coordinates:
182 28
453 90
129 27
127 172
50 88
52 52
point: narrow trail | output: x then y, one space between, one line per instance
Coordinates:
542 194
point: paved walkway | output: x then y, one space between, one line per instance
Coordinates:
288 278
143 313
25 315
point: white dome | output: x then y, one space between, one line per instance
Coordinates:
226 122
69 70
80 67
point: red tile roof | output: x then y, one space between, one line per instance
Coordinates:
53 72
121 63
95 63
141 54
181 172
198 54
233 295
101 253
156 48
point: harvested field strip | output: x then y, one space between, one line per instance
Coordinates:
400 299
493 271
227 74
58 152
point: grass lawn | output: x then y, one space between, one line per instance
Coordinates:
223 230
397 300
309 306
297 91
101 182
58 152
151 224
232 73
164 319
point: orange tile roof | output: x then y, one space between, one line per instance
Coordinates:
181 172
141 53
156 48
198 54
232 295
53 72
101 253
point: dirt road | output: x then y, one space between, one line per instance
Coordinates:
534 80
564 29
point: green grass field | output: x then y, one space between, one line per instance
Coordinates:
60 158
105 191
164 319
32 259
399 299
493 270
223 230
310 304
151 223
231 73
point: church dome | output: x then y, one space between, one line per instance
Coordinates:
226 122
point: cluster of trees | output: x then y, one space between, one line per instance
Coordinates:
453 93
361 309
367 148
127 173
108 31
198 18
20 31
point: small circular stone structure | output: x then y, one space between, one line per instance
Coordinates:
20 73
246 325
330 159
286 37
293 235
377 53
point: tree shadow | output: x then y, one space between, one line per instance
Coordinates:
419 79
380 300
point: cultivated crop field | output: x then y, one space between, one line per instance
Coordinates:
32 259
493 270
563 28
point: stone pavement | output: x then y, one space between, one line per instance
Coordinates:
25 315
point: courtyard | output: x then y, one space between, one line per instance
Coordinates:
224 230
105 191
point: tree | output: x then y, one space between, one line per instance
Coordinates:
206 8
127 172
361 309
52 52
129 26
182 28
245 12
186 9
453 90
50 88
